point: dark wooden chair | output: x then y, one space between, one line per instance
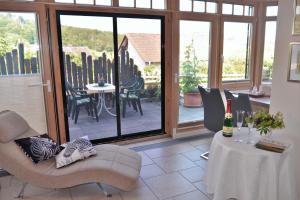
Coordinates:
131 95
77 99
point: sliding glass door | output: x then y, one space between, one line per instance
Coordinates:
88 54
112 75
140 72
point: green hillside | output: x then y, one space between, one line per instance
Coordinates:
94 39
14 30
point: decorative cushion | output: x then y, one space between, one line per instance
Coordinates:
39 148
78 149
12 126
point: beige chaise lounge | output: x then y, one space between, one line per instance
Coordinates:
114 165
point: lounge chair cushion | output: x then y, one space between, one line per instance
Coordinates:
39 148
12 126
76 150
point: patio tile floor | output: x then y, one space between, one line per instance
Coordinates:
132 123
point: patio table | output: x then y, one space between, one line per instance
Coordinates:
101 91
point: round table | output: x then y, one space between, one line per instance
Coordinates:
101 90
239 170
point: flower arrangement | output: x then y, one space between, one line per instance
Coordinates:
265 122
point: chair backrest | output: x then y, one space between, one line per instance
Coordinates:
12 126
70 90
214 110
140 83
239 102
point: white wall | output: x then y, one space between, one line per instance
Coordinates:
136 57
285 95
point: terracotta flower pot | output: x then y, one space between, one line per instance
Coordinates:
192 100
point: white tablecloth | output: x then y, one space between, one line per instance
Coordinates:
241 171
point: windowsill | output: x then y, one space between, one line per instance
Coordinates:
236 85
267 83
236 81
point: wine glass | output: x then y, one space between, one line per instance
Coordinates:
250 123
239 119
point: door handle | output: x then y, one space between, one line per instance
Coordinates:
47 84
176 78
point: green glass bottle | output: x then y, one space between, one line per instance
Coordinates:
228 121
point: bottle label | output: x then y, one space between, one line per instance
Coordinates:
227 130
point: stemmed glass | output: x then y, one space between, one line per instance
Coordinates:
250 123
239 122
239 119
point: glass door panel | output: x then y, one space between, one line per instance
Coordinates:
140 74
20 68
88 66
126 97
236 51
194 68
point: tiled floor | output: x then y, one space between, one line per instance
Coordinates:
171 172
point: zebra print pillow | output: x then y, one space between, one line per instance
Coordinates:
39 148
78 149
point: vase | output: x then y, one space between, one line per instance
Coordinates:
267 136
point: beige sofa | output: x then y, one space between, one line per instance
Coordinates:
114 165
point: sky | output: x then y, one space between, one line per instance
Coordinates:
125 25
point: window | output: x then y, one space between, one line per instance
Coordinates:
202 6
20 67
64 1
236 9
236 51
152 4
269 48
272 11
126 3
193 69
87 2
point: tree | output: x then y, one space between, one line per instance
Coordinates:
3 46
190 69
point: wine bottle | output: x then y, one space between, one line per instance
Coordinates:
228 121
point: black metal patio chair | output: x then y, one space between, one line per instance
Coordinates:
131 95
77 99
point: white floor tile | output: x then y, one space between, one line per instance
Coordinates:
193 174
169 185
195 195
149 171
173 163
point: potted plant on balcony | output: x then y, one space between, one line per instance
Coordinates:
190 80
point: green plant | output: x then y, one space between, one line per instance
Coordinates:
152 70
190 69
265 122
